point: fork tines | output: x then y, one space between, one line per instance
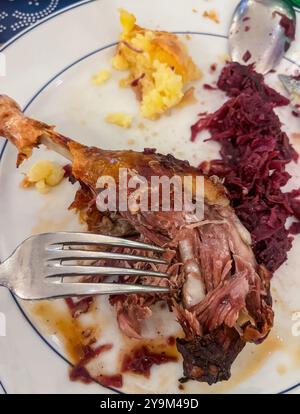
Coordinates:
73 238
56 255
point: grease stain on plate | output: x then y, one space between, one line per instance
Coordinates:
58 323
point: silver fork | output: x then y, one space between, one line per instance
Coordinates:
38 267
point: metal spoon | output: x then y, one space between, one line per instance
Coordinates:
258 32
292 86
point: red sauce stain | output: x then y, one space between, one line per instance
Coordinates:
141 359
246 18
287 25
90 353
286 46
296 114
247 28
136 82
171 340
79 372
79 307
213 67
209 87
181 387
115 381
78 340
70 331
247 55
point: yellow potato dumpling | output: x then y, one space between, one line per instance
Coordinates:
119 119
100 77
159 65
42 187
39 171
44 174
127 21
167 91
56 176
119 62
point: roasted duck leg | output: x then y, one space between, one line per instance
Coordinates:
221 296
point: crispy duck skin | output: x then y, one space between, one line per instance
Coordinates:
210 356
89 163
221 297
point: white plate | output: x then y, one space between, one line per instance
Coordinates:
48 73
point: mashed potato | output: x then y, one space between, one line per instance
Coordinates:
159 64
101 77
119 119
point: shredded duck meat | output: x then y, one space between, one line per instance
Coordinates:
219 293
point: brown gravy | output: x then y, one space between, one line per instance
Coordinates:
73 337
258 357
69 331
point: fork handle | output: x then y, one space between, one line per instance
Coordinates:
4 275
